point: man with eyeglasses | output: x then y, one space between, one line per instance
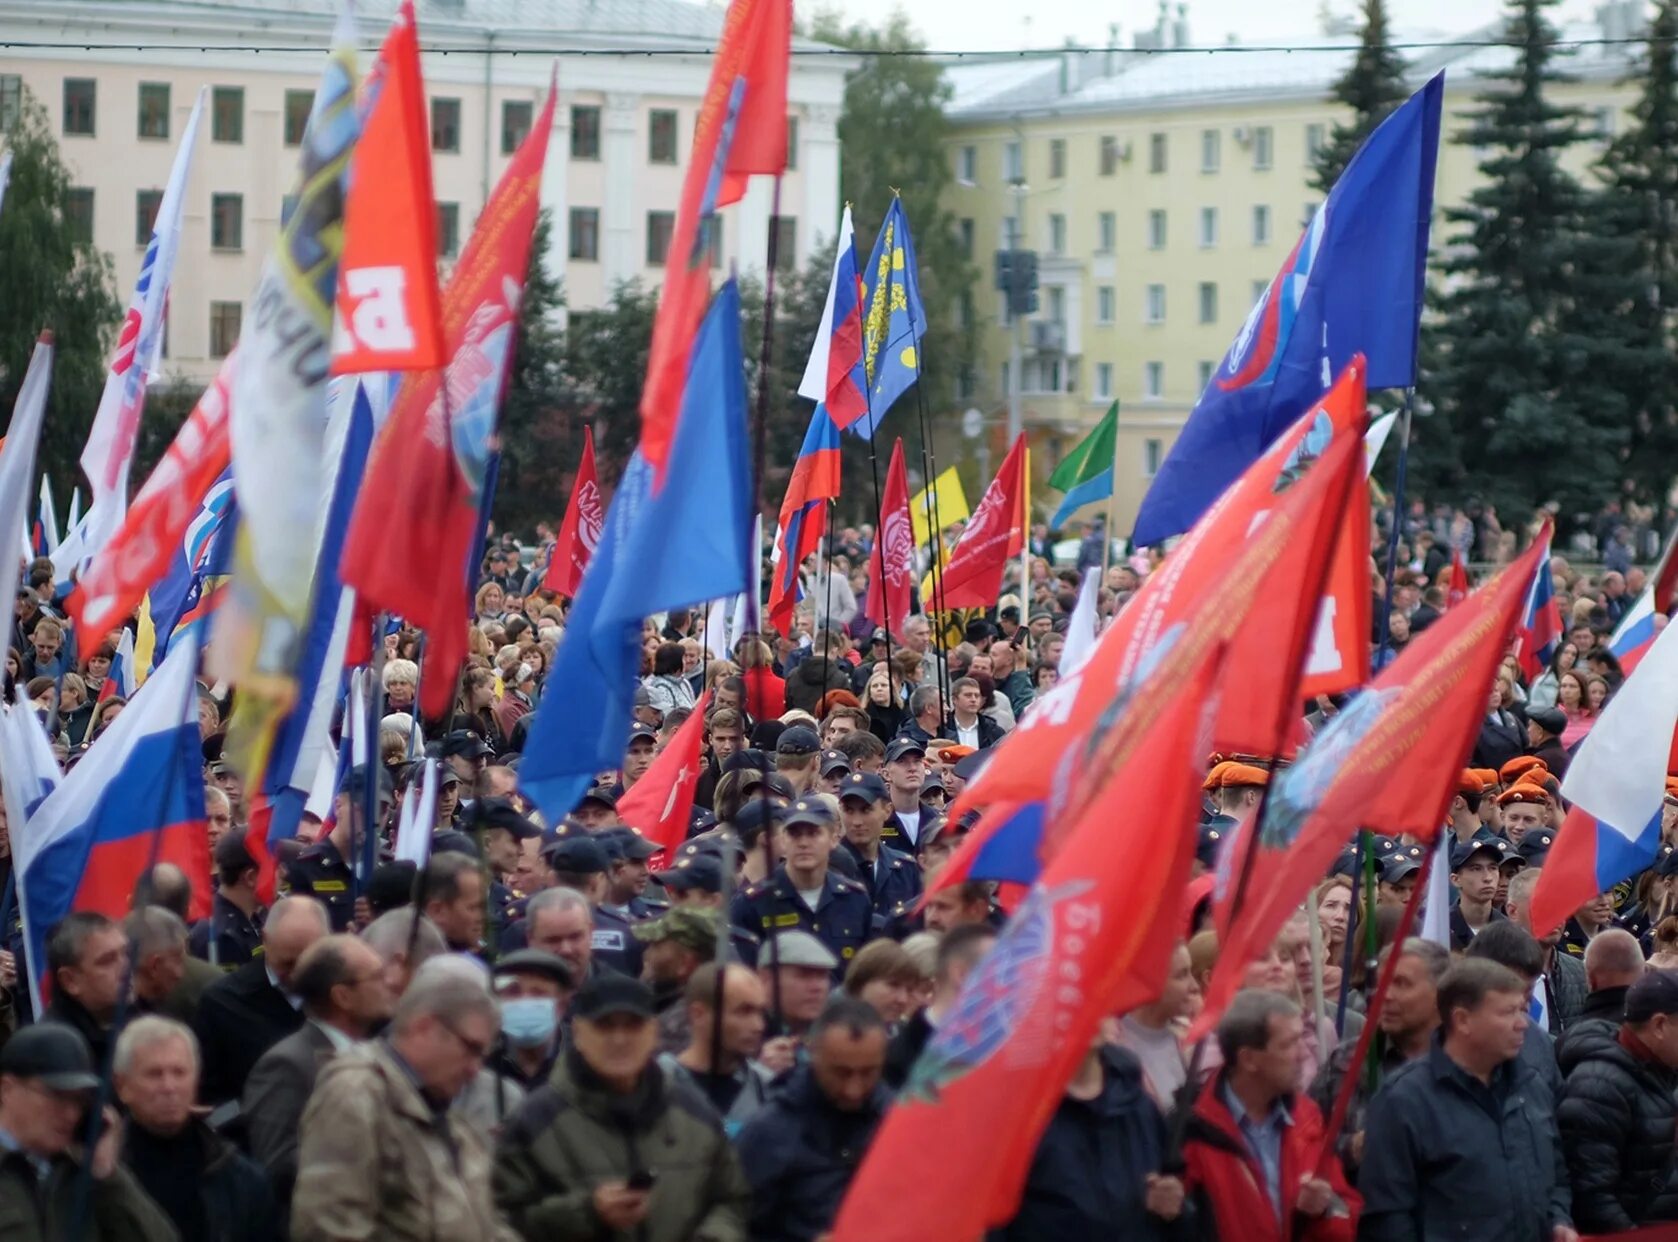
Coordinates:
381 1154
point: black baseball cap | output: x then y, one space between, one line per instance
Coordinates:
1462 853
1656 991
501 813
602 794
608 994
464 743
231 853
580 855
52 1054
638 730
628 843
756 814
354 784
865 785
835 761
702 871
901 746
798 740
808 811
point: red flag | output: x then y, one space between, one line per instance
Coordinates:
973 578
1388 762
1223 567
661 803
891 565
741 130
388 314
1456 589
987 1084
426 474
1340 646
117 579
585 517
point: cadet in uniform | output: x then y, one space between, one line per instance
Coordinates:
323 870
892 878
230 937
804 892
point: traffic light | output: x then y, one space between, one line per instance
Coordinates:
1016 276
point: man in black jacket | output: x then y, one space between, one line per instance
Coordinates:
1544 730
252 1009
1617 1112
87 960
1613 962
802 1149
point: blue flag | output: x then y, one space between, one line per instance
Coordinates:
892 319
1352 285
640 567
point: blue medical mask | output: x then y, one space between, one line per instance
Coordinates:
528 1021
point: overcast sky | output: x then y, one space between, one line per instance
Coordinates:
991 25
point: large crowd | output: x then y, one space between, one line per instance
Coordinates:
559 1031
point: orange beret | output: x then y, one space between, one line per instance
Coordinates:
1243 775
1524 791
952 754
1519 767
1672 786
1470 783
1215 778
1488 777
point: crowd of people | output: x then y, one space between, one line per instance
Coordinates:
562 1031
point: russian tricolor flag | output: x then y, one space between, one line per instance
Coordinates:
1540 629
1637 630
1616 783
136 799
124 675
835 375
815 481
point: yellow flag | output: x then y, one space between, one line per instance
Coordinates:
946 500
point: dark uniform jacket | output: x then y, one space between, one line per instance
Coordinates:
614 943
276 1092
237 936
321 872
1616 1119
843 919
1447 1156
893 879
1502 738
239 1019
233 1203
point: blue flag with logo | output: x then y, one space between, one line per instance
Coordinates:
1352 284
661 549
893 319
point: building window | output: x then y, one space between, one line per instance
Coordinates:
967 165
786 241
661 136
11 99
154 110
1264 147
1156 229
1261 225
1109 155
1210 143
1009 238
1260 288
1153 305
1208 301
1057 159
585 132
1157 150
1107 232
1013 163
792 144
298 105
660 225
1057 233
78 214
1057 303
517 116
1106 303
227 221
1203 373
227 114
585 234
1104 380
964 384
225 318
1208 227
445 125
1153 451
1315 136
81 98
146 204
448 230
964 232
1153 387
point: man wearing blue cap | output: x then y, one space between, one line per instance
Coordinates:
804 892
695 881
323 871
891 877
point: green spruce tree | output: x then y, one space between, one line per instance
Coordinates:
1508 349
1372 86
540 444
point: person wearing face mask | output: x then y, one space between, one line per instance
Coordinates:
531 987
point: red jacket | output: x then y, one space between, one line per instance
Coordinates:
766 694
1229 1184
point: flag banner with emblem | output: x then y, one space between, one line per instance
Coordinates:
138 555
660 805
123 677
995 1070
1196 582
32 772
184 594
994 534
87 844
1389 762
640 569
17 450
835 375
1540 630
44 540
1636 632
1352 284
579 534
741 130
891 561
430 464
893 320
1086 474
108 454
943 502
803 517
278 424
1615 786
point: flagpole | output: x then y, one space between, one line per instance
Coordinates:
878 553
827 619
929 464
1383 651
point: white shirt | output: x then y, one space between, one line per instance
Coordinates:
968 737
810 897
911 821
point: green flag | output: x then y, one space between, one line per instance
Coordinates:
1087 473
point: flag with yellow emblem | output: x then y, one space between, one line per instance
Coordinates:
892 318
